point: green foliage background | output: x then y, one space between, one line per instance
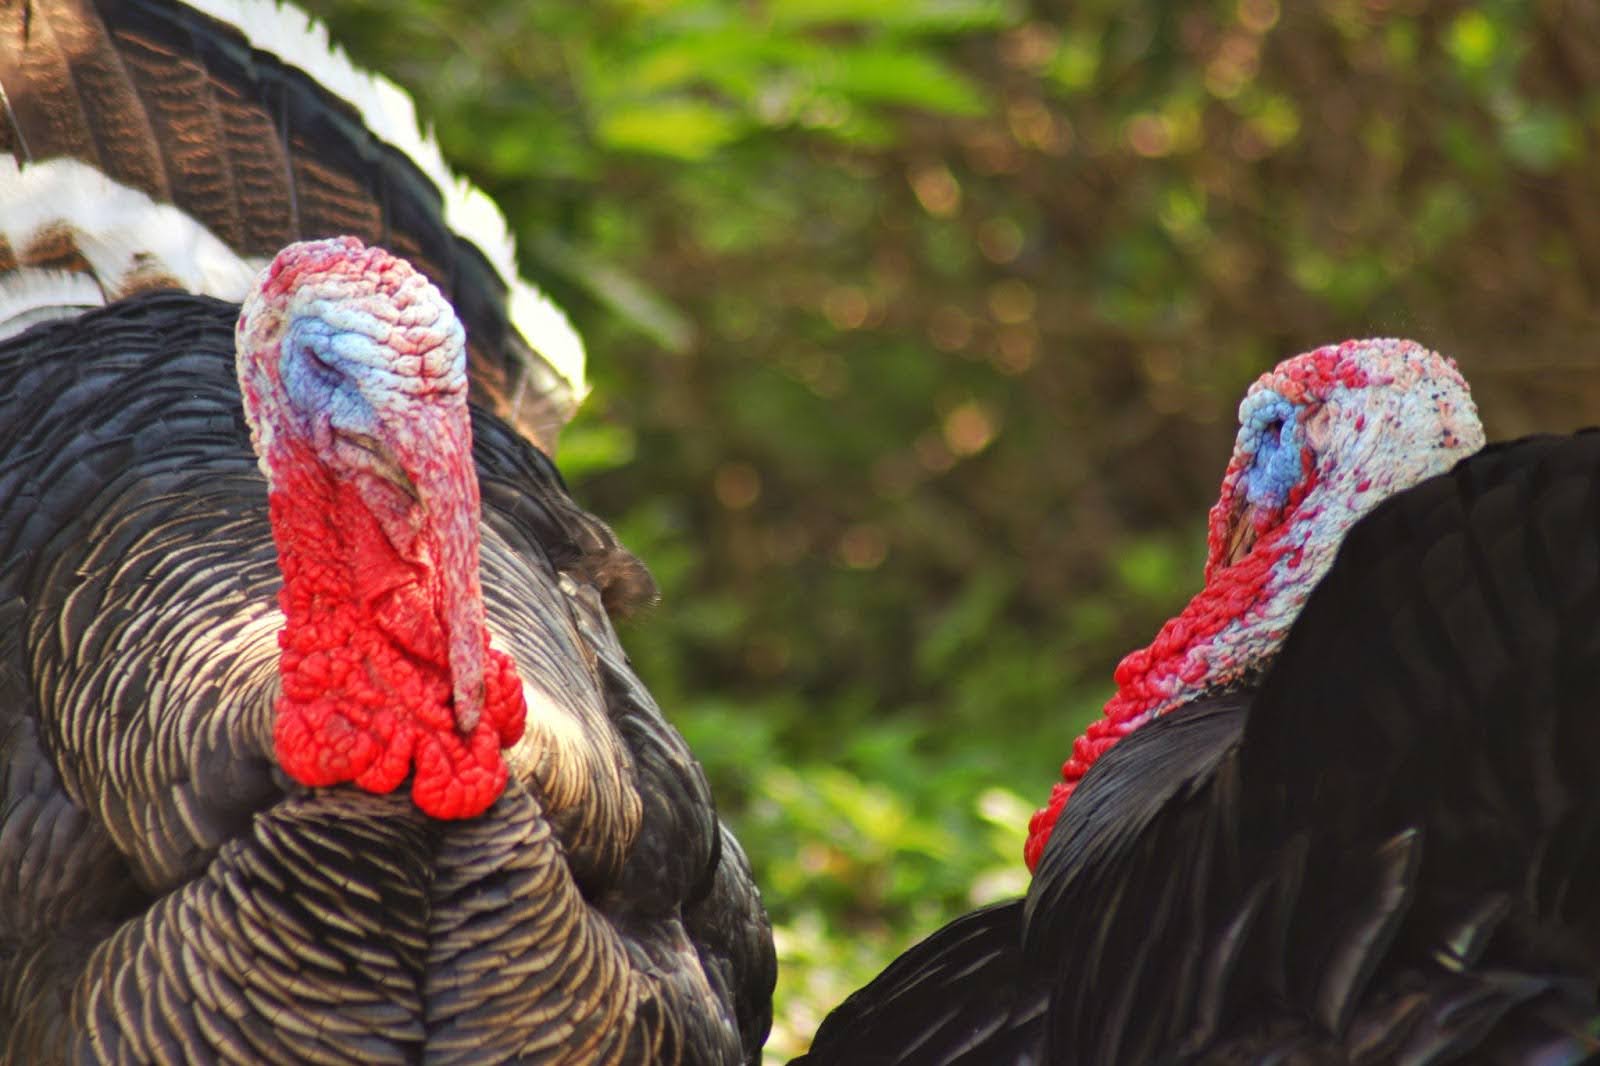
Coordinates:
916 330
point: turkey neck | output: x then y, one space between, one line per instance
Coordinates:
1226 633
345 581
1223 637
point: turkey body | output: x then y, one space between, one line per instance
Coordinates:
167 891
167 894
1388 852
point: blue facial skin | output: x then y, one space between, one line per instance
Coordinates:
1270 427
320 366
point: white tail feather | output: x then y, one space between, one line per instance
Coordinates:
131 242
29 296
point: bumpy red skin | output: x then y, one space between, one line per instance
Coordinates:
1228 593
366 686
366 663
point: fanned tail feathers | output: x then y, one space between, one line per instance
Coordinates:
153 145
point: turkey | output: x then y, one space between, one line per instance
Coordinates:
1371 836
316 740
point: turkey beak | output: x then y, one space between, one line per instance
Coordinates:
376 458
1241 530
447 490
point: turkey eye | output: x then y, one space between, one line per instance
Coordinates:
311 343
308 377
318 362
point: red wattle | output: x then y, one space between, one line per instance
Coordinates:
366 689
1148 679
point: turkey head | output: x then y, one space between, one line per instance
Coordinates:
353 372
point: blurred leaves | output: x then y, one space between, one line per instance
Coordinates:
916 16
684 129
1540 138
917 328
